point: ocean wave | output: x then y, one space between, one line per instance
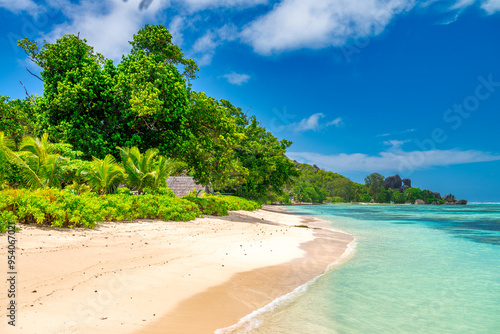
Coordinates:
251 321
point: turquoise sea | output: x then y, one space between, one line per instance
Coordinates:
415 269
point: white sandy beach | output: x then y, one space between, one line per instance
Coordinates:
163 277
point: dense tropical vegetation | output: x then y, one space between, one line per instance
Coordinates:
99 127
71 156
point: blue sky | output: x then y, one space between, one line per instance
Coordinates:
359 86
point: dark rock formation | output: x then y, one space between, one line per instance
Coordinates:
461 201
403 188
393 182
449 198
437 195
407 182
419 201
316 168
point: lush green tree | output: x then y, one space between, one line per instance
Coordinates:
156 41
17 118
383 196
398 197
77 105
154 103
365 198
144 102
263 155
412 194
215 137
343 188
336 186
374 183
95 106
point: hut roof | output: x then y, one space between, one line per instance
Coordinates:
182 185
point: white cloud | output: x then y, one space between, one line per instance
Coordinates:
396 133
459 4
337 122
393 161
17 6
236 78
196 5
491 6
107 25
204 47
395 144
312 123
175 29
294 24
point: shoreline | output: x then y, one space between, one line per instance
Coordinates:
132 276
252 292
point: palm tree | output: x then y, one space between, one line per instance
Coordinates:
138 166
148 169
103 175
40 164
163 168
6 144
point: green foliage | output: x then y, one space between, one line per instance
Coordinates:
309 193
95 106
123 191
38 162
219 205
398 197
384 196
157 41
365 198
263 156
215 137
17 118
164 191
316 185
209 205
412 194
146 170
234 203
154 104
103 176
144 102
62 208
374 183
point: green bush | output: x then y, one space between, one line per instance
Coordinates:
209 205
219 205
59 208
123 191
63 208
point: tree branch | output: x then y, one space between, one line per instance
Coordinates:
30 97
34 75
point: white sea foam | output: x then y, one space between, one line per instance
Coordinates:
252 321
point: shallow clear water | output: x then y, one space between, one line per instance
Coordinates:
416 269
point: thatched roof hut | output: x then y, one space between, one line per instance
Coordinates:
182 185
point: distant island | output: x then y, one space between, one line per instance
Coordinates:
315 185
